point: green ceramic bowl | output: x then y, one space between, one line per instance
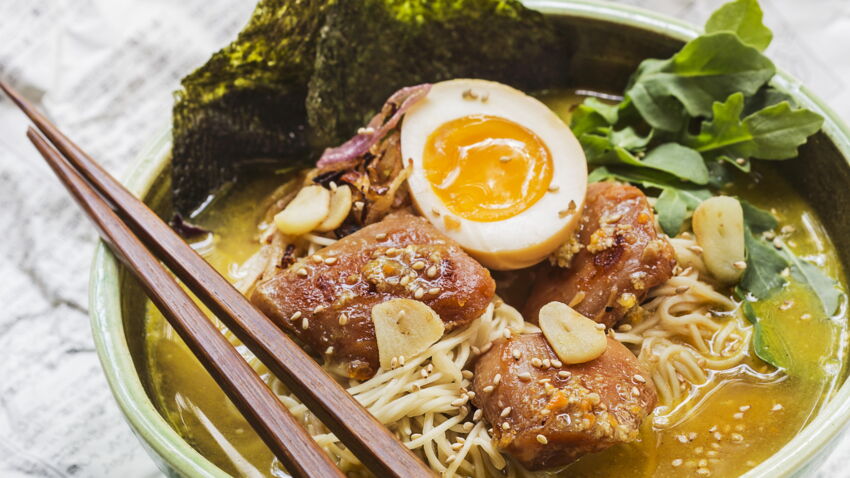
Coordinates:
611 40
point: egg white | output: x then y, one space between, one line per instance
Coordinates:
528 237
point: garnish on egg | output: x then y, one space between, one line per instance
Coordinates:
507 171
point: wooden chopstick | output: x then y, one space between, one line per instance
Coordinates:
269 417
370 441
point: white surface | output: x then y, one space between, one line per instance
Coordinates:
104 70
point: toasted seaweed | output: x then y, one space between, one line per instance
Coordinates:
370 48
247 101
305 74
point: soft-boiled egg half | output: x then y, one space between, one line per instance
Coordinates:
494 169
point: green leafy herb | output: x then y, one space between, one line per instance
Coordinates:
678 160
756 219
709 68
768 345
763 275
743 18
775 132
825 287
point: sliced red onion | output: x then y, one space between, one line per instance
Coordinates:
378 127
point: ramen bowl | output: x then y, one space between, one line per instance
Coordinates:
610 41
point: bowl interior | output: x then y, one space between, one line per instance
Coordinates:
610 41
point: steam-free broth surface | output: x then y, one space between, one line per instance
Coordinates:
750 415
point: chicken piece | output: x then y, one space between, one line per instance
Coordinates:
547 416
622 256
326 300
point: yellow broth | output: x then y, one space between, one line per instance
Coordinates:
740 423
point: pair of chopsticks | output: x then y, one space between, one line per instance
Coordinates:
141 240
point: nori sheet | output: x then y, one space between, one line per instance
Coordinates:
305 74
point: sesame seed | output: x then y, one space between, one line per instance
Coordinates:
505 412
381 236
564 374
451 458
777 243
635 391
740 265
487 389
683 289
330 260
497 379
682 438
420 293
557 363
506 426
718 436
343 319
737 437
695 249
600 326
741 161
405 281
435 212
302 272
434 290
703 471
563 213
316 258
418 265
466 374
786 305
318 309
460 401
329 350
542 439
456 446
806 317
505 159
468 426
639 378
536 362
296 315
392 251
677 462
692 436
516 354
475 350
358 205
553 188
401 360
394 363
744 408
547 363
470 394
776 407
506 332
431 272
305 323
477 415
524 376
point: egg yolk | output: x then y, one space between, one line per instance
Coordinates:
485 168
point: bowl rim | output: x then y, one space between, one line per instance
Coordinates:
168 448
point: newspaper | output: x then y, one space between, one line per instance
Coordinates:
104 71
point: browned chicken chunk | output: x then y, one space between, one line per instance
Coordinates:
622 256
326 300
546 415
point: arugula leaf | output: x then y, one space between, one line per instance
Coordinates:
774 132
777 131
744 18
708 68
765 264
757 220
822 285
586 120
767 96
770 347
678 160
675 206
607 111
